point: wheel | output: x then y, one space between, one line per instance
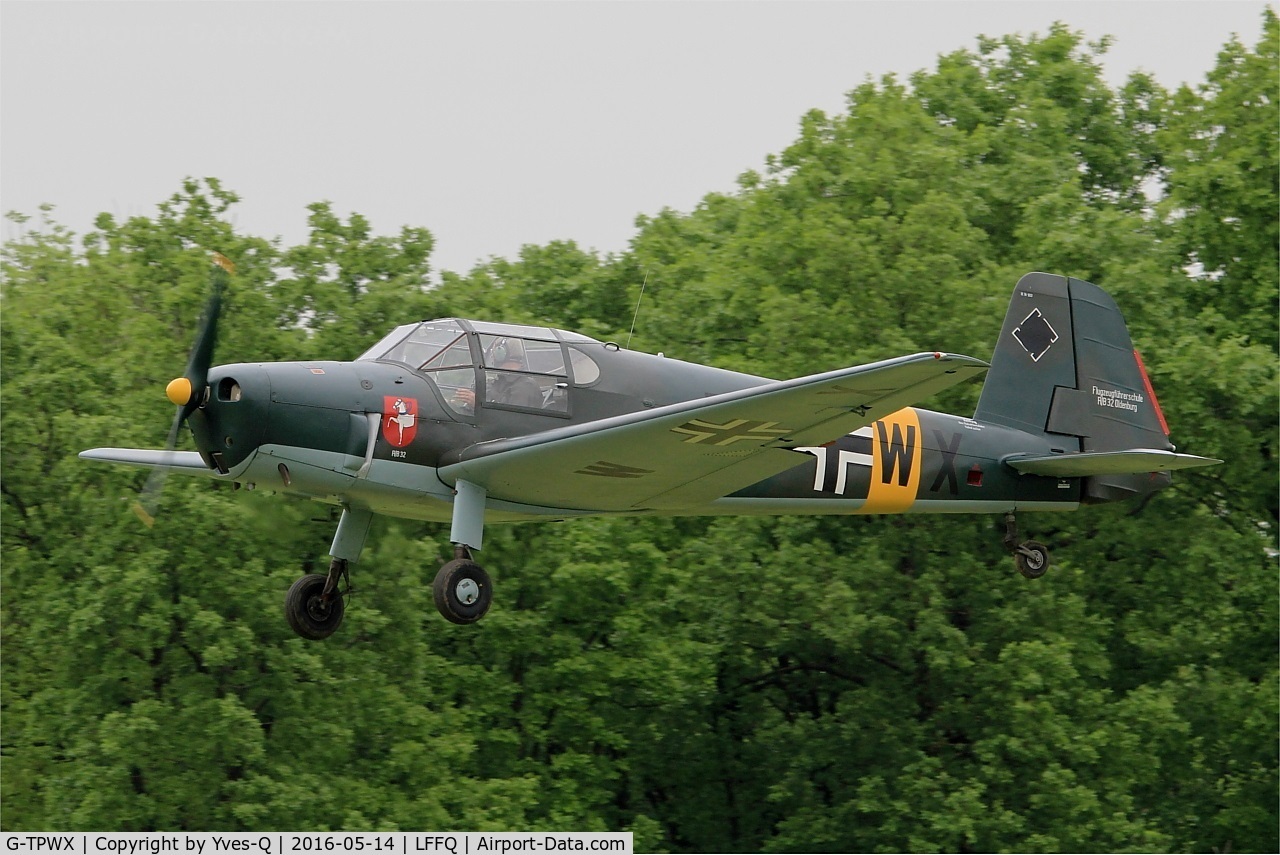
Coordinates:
309 613
463 591
1032 559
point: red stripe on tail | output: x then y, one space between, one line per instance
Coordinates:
1151 393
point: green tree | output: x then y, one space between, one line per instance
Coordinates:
1223 155
345 288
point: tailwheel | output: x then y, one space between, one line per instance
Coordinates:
462 590
1031 559
314 607
1029 556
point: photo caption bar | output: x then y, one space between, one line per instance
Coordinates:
301 843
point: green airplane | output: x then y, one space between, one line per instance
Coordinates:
471 423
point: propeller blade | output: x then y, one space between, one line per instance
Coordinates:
197 373
148 502
187 391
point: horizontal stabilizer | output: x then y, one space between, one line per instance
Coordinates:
1132 461
188 461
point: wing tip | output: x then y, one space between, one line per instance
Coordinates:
959 359
183 461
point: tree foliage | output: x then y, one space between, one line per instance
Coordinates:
814 684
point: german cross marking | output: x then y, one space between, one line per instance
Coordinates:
730 432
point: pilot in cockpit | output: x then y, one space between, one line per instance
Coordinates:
506 385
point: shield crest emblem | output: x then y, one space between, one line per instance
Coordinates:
399 420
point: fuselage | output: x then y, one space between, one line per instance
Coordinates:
374 433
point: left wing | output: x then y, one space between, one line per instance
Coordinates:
687 454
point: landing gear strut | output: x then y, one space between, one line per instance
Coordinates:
1029 556
463 591
315 603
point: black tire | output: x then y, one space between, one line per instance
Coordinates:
462 591
1034 562
309 614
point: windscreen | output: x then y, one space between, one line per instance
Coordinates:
440 343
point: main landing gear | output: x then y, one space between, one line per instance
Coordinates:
462 589
314 605
1030 557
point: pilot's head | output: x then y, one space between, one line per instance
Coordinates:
509 354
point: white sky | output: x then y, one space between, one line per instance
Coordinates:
492 124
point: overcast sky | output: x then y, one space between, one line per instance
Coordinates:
492 124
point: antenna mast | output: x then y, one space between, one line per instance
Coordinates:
637 314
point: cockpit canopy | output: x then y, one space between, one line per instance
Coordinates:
526 368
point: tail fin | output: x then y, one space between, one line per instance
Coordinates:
1064 367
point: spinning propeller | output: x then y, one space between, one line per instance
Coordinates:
189 391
